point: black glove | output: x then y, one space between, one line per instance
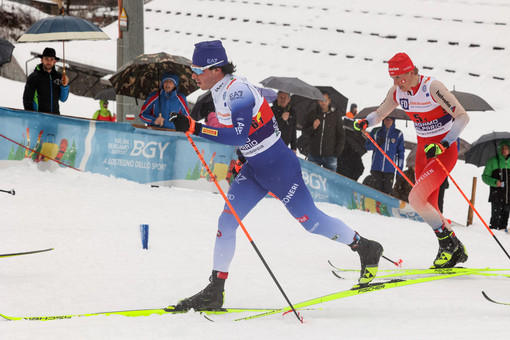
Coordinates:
435 149
360 124
185 123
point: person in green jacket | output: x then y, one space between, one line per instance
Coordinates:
103 113
496 175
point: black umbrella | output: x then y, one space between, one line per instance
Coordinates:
471 102
63 28
5 51
203 106
294 86
302 105
485 148
395 114
106 94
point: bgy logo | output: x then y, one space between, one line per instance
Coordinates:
314 180
149 150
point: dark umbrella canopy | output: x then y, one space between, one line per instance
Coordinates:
203 106
142 75
471 102
106 94
485 148
294 86
302 105
395 114
5 51
63 28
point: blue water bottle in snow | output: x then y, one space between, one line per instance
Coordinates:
144 234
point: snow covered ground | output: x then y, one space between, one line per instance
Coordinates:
98 264
92 221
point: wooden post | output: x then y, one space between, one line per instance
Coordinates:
470 211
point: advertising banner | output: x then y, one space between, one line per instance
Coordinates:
159 158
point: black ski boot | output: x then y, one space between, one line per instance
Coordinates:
210 298
370 253
451 250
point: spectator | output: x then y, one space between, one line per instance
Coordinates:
160 104
402 188
45 86
349 163
352 112
496 175
391 140
103 113
326 134
286 119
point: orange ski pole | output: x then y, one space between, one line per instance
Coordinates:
472 206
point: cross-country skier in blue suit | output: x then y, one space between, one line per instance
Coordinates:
270 167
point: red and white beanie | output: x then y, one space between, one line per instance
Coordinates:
400 64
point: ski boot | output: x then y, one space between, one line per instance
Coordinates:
209 298
370 253
451 250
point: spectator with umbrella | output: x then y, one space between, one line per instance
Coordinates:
45 86
167 100
286 118
324 129
496 175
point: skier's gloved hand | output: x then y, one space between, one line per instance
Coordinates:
435 149
360 124
238 165
185 123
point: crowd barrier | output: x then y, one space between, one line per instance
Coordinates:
160 158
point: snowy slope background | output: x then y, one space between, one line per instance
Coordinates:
92 220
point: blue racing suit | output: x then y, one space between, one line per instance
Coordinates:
270 166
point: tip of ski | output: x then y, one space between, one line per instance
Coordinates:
26 252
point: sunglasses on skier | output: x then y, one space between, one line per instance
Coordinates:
200 70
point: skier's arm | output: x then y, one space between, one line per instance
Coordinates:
241 101
389 104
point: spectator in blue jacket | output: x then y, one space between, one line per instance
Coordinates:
391 140
45 86
160 104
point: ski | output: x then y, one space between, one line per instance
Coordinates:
26 252
437 271
494 301
138 312
407 272
372 287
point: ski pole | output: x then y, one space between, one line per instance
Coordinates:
445 220
398 264
472 206
12 192
54 160
241 224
